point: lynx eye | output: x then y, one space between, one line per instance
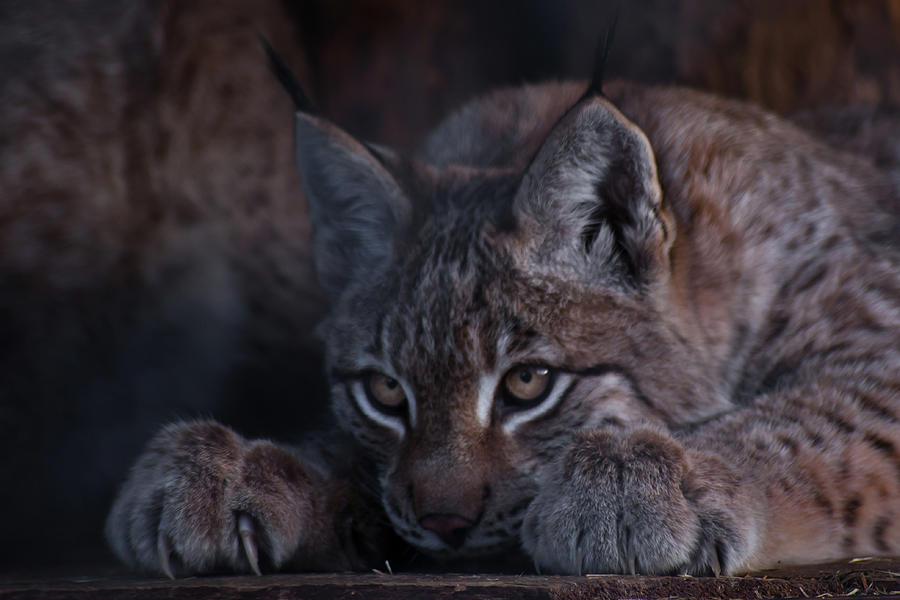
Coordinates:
385 392
527 384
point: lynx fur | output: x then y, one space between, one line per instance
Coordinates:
648 331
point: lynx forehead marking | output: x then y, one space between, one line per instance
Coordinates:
487 386
486 390
411 405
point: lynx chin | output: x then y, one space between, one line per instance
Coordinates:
629 330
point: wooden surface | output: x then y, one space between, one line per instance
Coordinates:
861 578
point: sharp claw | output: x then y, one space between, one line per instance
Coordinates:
626 551
163 551
714 562
247 531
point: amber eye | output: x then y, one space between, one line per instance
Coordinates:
385 391
527 383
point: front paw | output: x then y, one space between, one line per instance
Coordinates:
638 503
202 499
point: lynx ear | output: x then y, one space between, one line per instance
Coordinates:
356 206
591 199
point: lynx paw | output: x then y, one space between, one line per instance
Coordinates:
635 504
202 499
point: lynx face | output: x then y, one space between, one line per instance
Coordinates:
491 317
465 380
462 378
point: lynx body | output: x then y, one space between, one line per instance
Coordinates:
652 331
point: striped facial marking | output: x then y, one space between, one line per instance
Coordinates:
385 400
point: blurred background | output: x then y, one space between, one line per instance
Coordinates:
154 262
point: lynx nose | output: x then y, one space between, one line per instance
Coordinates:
450 528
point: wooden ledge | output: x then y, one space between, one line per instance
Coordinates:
861 578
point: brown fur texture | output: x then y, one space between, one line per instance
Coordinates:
713 292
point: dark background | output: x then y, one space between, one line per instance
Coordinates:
145 165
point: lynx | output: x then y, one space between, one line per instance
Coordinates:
615 329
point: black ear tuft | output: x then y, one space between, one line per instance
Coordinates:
287 79
600 57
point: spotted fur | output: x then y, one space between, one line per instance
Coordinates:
716 293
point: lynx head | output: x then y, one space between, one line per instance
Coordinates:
482 317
